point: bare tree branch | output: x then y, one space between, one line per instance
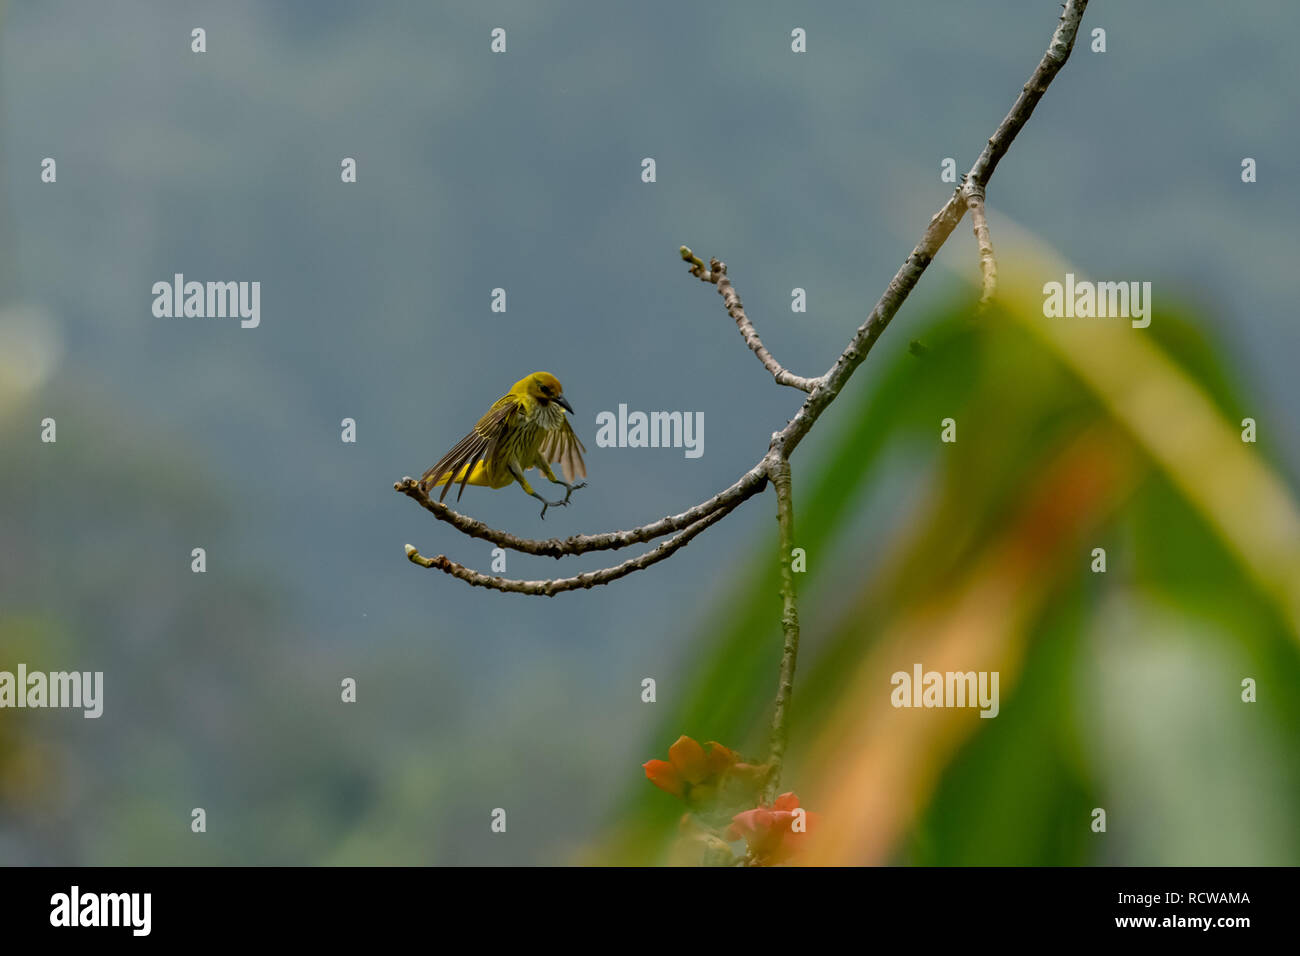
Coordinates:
1058 51
822 390
717 274
748 485
775 464
936 233
588 579
780 474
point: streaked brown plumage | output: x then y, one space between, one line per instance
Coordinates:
525 428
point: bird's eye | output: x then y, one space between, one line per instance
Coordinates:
546 390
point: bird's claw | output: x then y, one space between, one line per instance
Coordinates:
572 489
552 504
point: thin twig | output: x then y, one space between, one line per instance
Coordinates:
717 274
748 485
980 224
588 579
780 474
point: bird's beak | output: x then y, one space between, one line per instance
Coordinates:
563 402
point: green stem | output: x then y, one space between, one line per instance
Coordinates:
780 474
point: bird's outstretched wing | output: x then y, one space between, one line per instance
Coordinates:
477 446
562 445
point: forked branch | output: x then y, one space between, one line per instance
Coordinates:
821 390
588 579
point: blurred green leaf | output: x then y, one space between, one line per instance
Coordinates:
1021 788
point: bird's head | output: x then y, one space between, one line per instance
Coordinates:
544 388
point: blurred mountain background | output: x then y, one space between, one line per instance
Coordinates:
522 171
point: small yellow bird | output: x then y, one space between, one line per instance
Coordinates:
525 428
